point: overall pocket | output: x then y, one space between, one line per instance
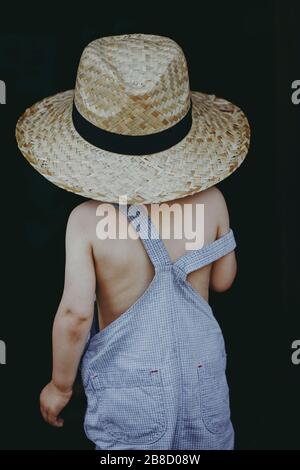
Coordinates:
128 405
214 394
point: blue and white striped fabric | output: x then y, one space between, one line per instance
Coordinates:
155 378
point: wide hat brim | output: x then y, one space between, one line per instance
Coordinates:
215 146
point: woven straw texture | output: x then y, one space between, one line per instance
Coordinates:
134 84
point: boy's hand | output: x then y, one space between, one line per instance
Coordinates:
52 401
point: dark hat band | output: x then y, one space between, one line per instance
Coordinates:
132 144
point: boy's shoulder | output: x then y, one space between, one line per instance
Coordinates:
211 197
83 216
88 209
215 208
83 211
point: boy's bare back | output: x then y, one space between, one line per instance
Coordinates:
123 270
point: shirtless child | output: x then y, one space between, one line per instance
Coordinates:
119 271
154 370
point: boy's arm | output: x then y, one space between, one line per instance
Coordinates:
73 318
223 270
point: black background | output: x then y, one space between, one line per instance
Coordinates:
246 52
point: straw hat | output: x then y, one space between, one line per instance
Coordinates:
133 127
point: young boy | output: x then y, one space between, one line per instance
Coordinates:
154 371
120 271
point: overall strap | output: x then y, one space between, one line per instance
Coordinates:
209 253
141 221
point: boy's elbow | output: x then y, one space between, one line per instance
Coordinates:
221 286
78 315
223 282
76 322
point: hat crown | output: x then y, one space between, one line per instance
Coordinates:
133 84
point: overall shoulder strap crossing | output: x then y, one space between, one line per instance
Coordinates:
141 221
190 261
